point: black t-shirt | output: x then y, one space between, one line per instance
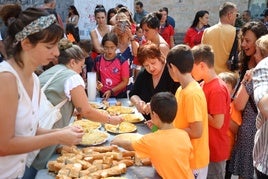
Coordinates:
143 86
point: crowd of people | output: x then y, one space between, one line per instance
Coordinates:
217 114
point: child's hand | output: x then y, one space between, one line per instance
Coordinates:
99 85
107 95
115 141
149 123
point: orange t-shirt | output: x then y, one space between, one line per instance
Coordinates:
236 116
169 151
192 107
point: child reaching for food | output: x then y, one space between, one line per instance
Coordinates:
112 69
174 160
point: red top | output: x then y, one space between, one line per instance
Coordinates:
166 33
218 101
193 36
111 72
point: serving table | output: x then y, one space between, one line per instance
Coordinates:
133 172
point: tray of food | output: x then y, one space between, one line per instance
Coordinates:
116 110
132 118
87 125
94 137
124 127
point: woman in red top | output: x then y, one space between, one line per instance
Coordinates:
194 34
166 30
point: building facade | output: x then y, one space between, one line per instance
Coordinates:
182 11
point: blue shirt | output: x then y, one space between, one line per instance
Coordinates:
139 16
171 21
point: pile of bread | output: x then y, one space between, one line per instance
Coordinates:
93 162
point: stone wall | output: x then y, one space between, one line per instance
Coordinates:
183 11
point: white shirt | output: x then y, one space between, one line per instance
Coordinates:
13 166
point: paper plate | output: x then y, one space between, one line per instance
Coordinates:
116 110
94 137
132 118
124 127
87 125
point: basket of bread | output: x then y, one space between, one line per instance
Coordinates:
92 162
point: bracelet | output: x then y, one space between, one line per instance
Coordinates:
244 82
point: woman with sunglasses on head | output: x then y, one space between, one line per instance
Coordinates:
102 28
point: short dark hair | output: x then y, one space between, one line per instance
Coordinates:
181 56
139 3
110 36
86 45
248 12
203 53
225 8
165 9
164 104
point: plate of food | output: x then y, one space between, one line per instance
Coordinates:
132 118
96 105
116 110
94 137
87 125
131 137
124 127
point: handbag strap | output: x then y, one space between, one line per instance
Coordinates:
48 82
50 79
235 45
61 103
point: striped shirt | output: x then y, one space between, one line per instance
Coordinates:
260 150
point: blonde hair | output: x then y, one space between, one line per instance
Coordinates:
229 78
262 43
69 51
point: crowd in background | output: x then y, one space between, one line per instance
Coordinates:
218 77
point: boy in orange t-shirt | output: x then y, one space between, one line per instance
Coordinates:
192 113
236 118
170 158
